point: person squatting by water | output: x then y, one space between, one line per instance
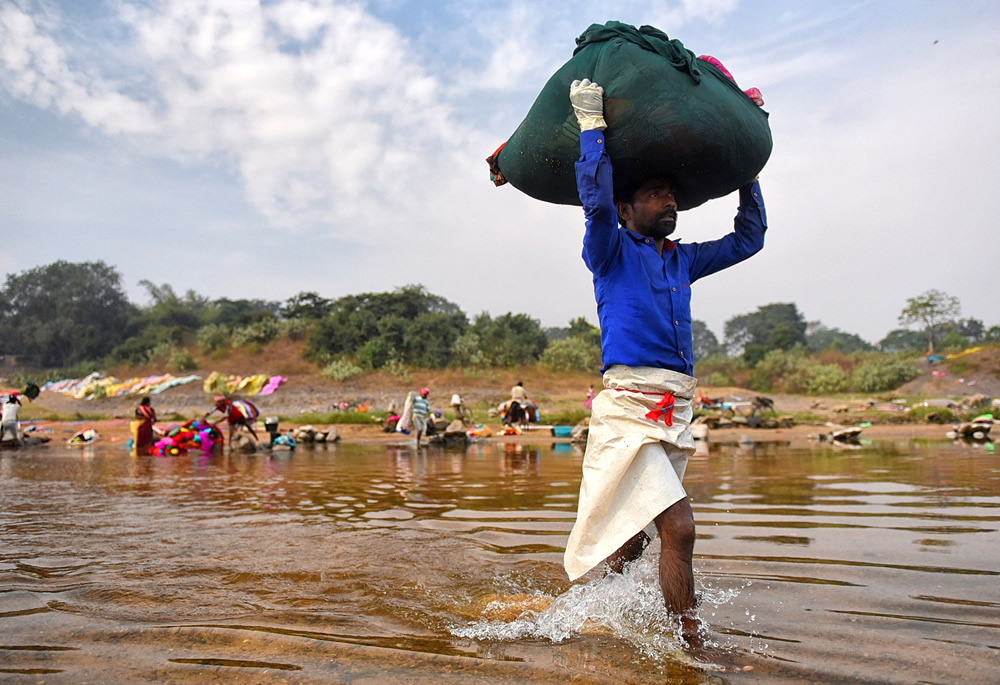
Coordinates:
640 440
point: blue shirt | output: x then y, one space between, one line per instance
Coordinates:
644 298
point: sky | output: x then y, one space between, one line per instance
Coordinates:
262 149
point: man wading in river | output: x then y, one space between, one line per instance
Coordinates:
640 439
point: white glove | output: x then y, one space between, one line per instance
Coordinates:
588 104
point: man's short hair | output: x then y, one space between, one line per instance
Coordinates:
626 193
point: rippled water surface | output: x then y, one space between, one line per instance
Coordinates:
373 564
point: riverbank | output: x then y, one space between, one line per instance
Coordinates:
306 396
116 431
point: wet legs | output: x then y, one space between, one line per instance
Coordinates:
628 552
676 530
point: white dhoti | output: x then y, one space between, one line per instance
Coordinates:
633 465
9 430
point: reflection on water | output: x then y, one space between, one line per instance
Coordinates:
375 563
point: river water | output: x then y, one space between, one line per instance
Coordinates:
375 564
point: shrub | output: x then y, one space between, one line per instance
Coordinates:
294 329
760 380
376 353
161 352
571 354
213 337
341 369
718 378
260 332
933 414
778 363
722 370
398 370
822 379
181 360
954 340
466 351
881 375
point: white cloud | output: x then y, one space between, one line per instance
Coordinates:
308 124
371 133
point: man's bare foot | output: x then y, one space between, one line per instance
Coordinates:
706 656
717 660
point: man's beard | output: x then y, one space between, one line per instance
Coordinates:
663 227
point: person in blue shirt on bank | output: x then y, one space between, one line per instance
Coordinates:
639 438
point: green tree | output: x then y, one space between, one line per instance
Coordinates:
163 323
306 305
972 329
704 342
572 354
578 328
408 326
581 328
820 338
168 310
234 313
953 340
510 339
430 338
65 312
784 336
929 310
772 326
901 340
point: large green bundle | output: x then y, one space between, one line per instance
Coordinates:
668 114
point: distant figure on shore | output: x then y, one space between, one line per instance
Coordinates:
589 402
10 429
518 399
236 413
146 416
458 406
420 411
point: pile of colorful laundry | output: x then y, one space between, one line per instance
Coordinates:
193 435
99 386
260 384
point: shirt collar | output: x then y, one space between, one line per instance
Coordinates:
668 244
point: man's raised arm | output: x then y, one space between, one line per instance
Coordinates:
746 240
594 180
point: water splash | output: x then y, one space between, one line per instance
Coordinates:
627 606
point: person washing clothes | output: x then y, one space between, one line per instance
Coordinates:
146 417
10 427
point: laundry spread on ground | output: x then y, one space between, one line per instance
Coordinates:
99 386
259 384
